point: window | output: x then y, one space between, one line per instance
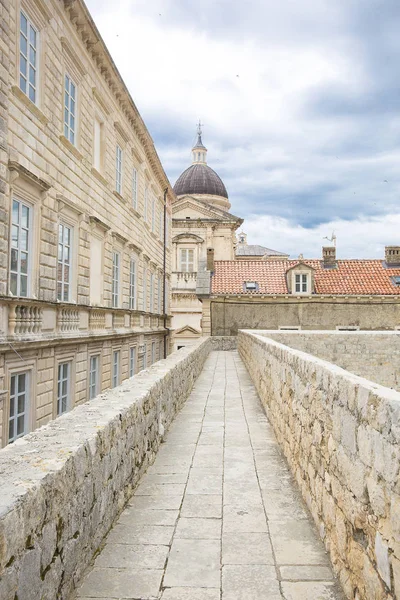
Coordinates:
301 283
118 170
115 368
161 350
153 215
63 387
153 352
145 305
146 194
69 109
19 405
166 296
145 356
20 248
159 295
132 284
396 280
187 260
115 279
64 263
161 222
251 286
134 188
151 292
93 377
28 58
98 136
132 361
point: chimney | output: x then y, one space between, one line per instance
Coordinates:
329 257
392 256
210 259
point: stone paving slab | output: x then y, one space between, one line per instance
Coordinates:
217 516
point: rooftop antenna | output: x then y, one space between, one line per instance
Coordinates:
332 239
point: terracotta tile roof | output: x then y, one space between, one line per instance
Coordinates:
351 277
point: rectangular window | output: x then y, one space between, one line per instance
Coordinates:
145 290
132 284
166 294
145 356
187 260
151 292
19 405
162 223
69 109
153 215
20 248
93 377
64 263
153 352
146 194
28 58
301 281
118 170
134 188
159 295
98 145
115 368
63 387
161 350
115 279
132 361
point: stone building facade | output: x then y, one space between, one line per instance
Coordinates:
325 294
85 219
203 231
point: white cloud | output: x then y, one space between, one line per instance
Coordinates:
364 238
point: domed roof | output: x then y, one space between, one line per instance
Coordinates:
200 179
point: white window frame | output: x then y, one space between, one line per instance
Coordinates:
98 144
134 188
145 289
151 292
20 251
132 283
70 105
118 169
116 365
94 371
12 419
116 279
153 215
63 398
159 294
61 246
304 282
29 65
132 360
145 205
186 264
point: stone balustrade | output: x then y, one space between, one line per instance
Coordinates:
183 280
341 436
24 319
31 318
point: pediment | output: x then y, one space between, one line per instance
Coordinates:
188 237
188 206
187 329
301 266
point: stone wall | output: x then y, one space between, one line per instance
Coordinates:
375 356
340 434
370 313
63 485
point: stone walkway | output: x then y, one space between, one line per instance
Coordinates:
217 515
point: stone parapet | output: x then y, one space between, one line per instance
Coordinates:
64 484
340 434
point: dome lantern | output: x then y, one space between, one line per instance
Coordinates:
200 180
199 150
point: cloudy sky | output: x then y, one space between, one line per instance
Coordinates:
300 101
